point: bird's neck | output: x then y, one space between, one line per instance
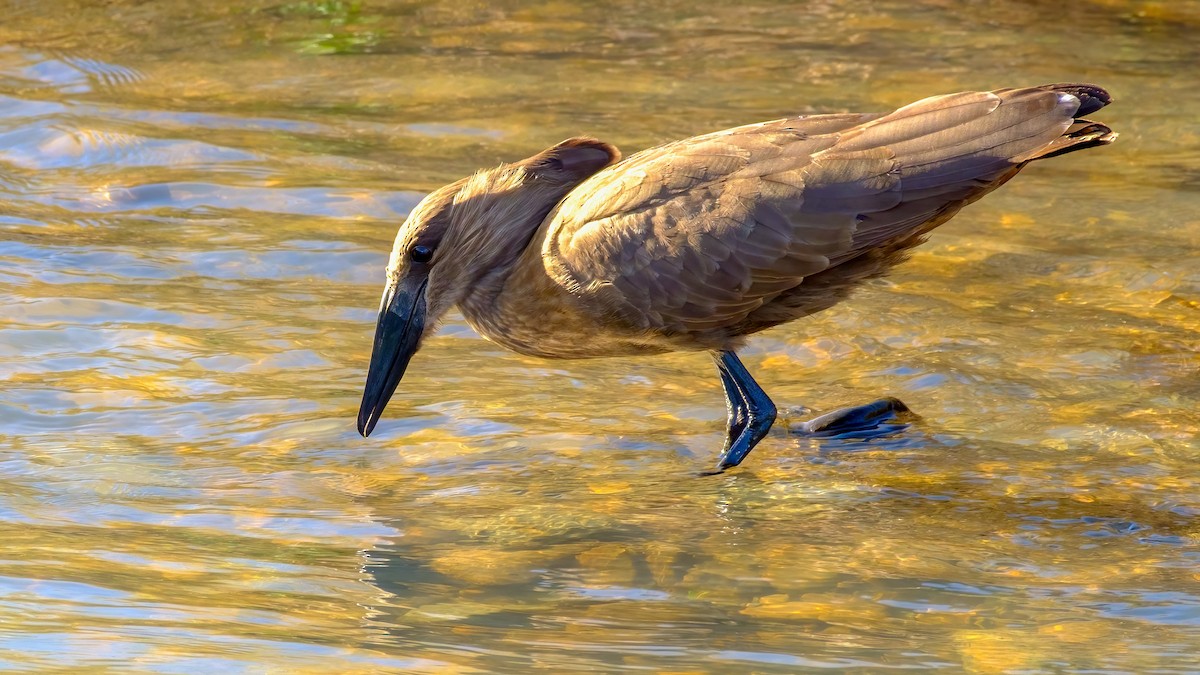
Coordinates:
495 253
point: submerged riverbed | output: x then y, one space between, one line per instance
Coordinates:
196 205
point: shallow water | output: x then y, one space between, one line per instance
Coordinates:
196 203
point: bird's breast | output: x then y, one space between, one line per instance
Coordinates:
530 313
554 328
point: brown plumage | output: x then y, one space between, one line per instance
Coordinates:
695 244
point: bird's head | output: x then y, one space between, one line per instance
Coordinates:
456 236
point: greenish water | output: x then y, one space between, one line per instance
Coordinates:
196 203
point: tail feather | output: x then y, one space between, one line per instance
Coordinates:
1081 135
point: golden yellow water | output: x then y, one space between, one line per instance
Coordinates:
196 202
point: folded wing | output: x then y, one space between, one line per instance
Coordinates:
697 235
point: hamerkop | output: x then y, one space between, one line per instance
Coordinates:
693 245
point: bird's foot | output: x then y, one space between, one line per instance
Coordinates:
861 420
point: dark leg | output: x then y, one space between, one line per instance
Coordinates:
736 406
855 419
759 411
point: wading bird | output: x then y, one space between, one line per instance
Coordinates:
693 245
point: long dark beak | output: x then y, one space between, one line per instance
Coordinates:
401 322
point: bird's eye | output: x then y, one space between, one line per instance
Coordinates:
420 254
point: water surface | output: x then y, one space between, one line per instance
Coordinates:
196 203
